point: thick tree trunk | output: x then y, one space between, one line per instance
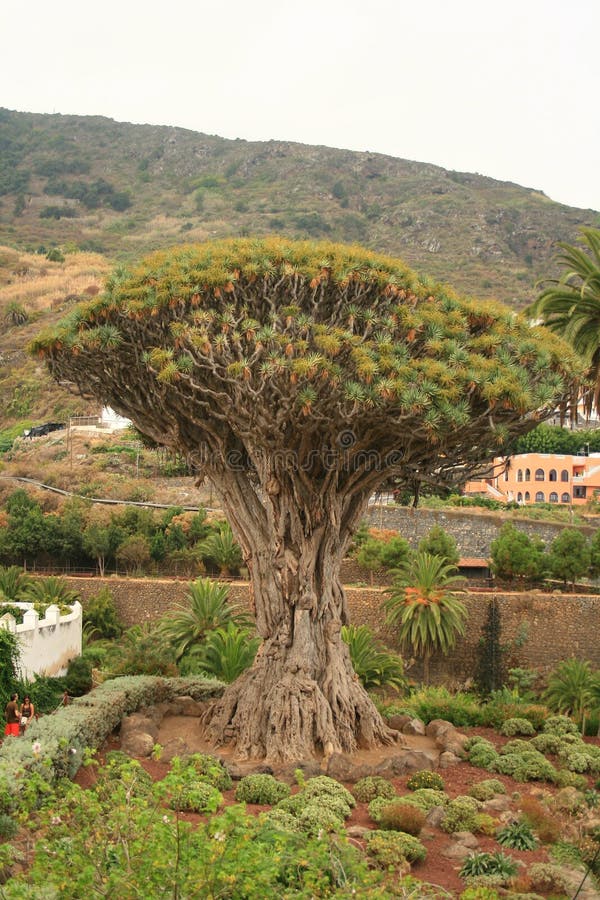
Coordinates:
301 698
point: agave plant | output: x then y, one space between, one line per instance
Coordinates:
428 614
226 653
374 665
517 836
206 608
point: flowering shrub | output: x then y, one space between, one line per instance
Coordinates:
425 779
460 815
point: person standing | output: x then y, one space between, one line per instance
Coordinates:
12 716
27 713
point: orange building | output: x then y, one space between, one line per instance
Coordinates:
543 478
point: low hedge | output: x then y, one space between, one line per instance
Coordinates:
55 744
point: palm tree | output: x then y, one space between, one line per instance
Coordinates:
428 614
374 665
572 689
226 653
46 591
14 583
206 609
222 549
570 305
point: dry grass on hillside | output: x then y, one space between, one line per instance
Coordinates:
39 284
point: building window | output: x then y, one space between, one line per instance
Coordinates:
539 497
564 475
527 475
519 497
565 498
539 475
520 475
553 498
552 476
527 496
579 492
506 475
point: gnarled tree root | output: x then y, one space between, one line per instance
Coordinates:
285 717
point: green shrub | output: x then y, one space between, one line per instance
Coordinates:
323 784
483 754
101 614
486 789
261 789
460 815
480 892
527 766
515 746
399 816
78 679
184 792
564 778
517 726
389 848
316 818
366 789
210 769
120 772
461 709
517 836
547 743
425 779
375 808
281 819
560 725
427 798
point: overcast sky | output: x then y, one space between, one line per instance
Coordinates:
507 89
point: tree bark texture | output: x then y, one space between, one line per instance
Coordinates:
301 697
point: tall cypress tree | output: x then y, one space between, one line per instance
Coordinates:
490 665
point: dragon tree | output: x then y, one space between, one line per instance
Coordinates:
299 377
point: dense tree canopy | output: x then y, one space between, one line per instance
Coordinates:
299 377
224 342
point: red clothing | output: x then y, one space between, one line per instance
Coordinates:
12 728
11 712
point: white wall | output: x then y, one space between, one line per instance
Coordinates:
46 645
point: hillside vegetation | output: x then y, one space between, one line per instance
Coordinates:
80 194
121 189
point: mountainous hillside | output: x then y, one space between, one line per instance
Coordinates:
117 189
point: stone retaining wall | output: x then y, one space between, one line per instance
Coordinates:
538 630
473 532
